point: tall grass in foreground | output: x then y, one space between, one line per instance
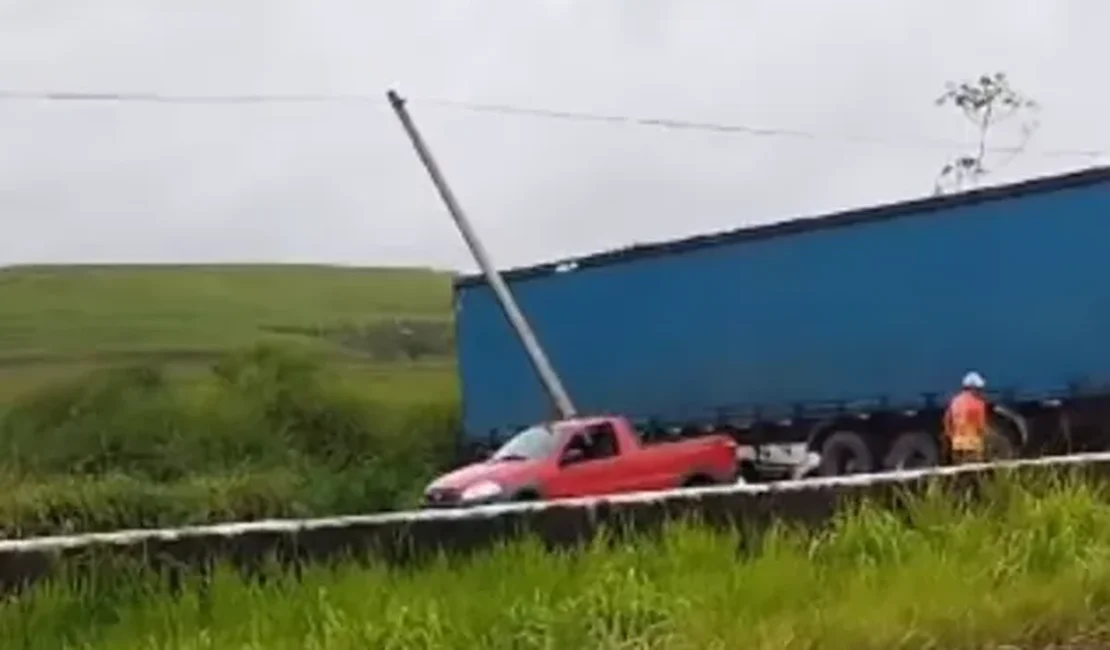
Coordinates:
1029 565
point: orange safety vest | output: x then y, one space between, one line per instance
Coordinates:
965 423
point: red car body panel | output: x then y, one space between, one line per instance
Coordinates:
635 467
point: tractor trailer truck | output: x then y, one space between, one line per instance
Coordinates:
827 344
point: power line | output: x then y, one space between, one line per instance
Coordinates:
670 123
513 110
159 98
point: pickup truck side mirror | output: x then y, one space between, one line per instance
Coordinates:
572 456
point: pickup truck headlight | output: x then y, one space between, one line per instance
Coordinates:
481 491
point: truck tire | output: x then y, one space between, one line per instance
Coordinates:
845 452
912 450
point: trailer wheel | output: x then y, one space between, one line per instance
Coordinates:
999 446
846 452
913 450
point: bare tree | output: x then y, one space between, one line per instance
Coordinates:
986 102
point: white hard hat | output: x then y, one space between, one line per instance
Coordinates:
974 380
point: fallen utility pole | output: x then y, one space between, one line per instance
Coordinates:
535 353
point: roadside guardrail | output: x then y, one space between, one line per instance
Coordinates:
407 536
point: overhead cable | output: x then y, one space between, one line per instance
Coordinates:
671 123
515 110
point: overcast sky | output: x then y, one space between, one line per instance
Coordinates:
338 183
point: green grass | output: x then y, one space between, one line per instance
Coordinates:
98 311
1029 566
400 382
163 395
260 433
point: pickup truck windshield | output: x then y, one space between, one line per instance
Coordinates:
534 443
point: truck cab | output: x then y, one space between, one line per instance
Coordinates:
585 457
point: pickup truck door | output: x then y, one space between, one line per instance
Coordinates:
590 463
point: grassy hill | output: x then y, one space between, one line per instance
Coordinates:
59 320
138 396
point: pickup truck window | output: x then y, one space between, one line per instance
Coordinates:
595 443
534 443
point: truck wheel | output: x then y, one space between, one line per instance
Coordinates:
845 452
913 450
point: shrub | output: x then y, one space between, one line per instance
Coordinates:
130 447
65 504
111 420
301 404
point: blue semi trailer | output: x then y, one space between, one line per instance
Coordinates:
831 342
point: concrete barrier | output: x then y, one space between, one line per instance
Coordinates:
402 537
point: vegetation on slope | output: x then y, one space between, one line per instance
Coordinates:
1028 566
59 321
266 432
163 395
54 311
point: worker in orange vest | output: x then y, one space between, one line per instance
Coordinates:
965 422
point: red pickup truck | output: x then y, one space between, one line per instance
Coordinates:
585 457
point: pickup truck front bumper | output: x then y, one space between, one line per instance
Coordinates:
445 499
441 499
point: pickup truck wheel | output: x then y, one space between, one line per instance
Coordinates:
846 452
912 450
698 480
525 495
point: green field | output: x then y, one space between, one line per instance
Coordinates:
59 321
1026 568
167 395
99 311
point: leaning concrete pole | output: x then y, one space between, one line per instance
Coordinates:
536 354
